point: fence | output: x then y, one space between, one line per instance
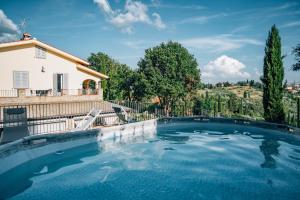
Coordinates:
57 117
50 92
216 106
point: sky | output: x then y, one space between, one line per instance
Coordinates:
226 37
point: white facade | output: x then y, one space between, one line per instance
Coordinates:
33 67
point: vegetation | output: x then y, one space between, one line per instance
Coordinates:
171 73
273 78
116 86
168 79
296 52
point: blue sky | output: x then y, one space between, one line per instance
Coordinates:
226 37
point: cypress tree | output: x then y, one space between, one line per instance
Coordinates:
273 78
245 94
219 103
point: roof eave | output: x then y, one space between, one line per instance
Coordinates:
92 72
46 46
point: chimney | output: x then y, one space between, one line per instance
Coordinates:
26 36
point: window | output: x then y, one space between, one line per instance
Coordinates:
21 79
40 52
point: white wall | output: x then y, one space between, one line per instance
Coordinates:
23 59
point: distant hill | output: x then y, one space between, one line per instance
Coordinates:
255 93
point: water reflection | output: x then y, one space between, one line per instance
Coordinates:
269 148
19 179
175 137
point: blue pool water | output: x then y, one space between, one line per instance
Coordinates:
185 160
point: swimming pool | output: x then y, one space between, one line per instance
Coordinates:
184 160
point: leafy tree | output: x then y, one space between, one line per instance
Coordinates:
171 73
101 63
115 87
273 78
226 84
219 84
136 87
296 52
117 84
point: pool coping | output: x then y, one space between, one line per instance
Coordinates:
261 124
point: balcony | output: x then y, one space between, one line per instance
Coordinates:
50 92
26 96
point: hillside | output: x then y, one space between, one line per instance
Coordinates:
255 93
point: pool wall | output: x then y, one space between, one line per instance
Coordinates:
18 152
132 129
261 124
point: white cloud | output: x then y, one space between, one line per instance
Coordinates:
139 44
157 22
8 29
158 4
219 43
285 6
224 68
201 19
134 12
104 5
258 73
291 24
240 29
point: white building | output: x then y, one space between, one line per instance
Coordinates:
32 68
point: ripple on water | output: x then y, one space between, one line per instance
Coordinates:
184 161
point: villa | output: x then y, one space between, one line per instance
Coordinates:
31 68
55 89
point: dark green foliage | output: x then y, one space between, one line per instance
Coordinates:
219 84
245 94
226 84
219 104
116 87
241 107
215 109
169 72
296 52
198 107
298 112
273 78
101 63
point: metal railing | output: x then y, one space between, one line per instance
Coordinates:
58 117
8 93
49 92
226 107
